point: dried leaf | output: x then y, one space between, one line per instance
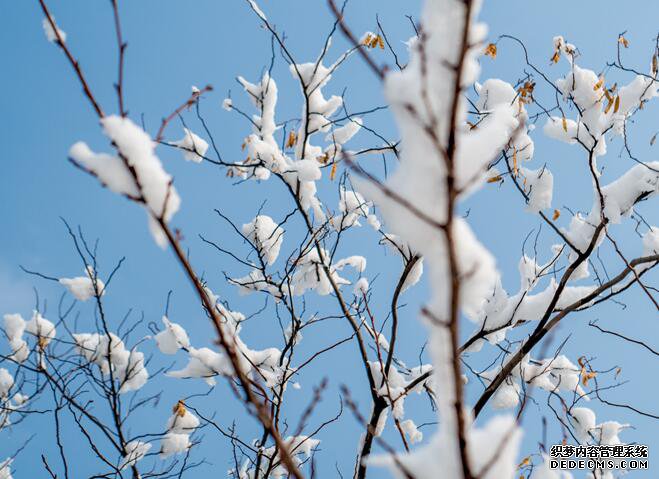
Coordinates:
515 171
556 215
564 124
495 179
292 139
616 104
618 371
587 377
367 40
599 84
556 56
380 42
179 409
653 139
491 51
623 41
525 462
608 105
333 171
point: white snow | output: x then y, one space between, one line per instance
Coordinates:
539 185
5 469
82 287
173 443
172 338
134 451
40 327
192 146
266 235
110 354
50 32
6 383
136 146
14 328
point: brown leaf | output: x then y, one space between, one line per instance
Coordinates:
599 84
491 50
292 139
333 171
556 215
587 377
179 409
556 56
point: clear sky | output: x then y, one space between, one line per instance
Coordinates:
173 45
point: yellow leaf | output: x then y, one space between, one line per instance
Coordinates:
556 56
333 171
599 84
292 138
491 50
608 105
367 40
525 462
380 42
495 179
556 215
587 377
179 409
654 64
515 161
623 41
618 371
565 124
616 105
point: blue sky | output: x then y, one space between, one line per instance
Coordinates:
173 45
